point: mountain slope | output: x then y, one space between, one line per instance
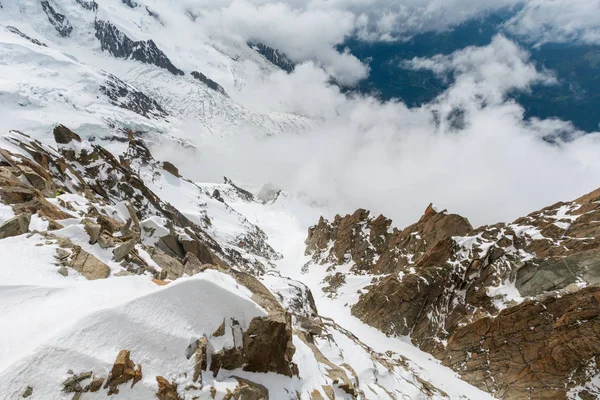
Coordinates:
148 284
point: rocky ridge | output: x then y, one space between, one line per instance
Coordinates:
514 308
108 218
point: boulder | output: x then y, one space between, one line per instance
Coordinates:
73 383
109 224
171 267
170 168
63 135
166 390
123 371
15 226
198 249
106 241
121 252
89 266
248 390
93 230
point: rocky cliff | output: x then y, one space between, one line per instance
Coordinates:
514 308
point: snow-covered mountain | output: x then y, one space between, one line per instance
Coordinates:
121 277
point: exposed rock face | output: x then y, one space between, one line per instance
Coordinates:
89 5
121 46
24 36
15 226
274 56
512 307
267 343
128 97
208 82
58 20
538 348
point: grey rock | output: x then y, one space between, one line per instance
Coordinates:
121 252
15 226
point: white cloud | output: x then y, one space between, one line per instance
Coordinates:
395 160
542 21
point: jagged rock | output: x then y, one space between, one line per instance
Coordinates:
274 56
28 392
25 198
208 82
24 36
171 267
73 384
537 347
15 226
119 253
89 266
171 245
58 20
96 384
93 230
200 359
106 241
120 45
123 371
191 264
267 343
126 96
198 249
89 5
170 168
166 390
63 135
62 254
247 390
109 225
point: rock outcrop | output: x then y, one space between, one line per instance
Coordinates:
120 45
512 307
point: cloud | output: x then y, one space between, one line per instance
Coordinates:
313 30
389 158
543 21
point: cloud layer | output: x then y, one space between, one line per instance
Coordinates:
470 150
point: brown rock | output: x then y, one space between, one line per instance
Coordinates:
89 266
93 230
123 371
96 383
247 390
200 359
267 344
109 225
171 268
63 135
166 390
170 168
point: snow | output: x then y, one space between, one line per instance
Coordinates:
286 222
6 213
